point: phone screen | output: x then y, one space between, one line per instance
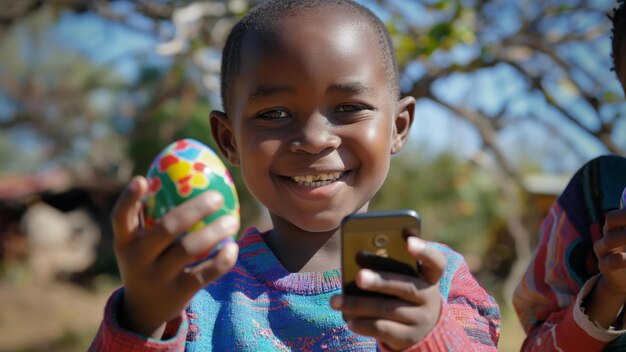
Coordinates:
377 241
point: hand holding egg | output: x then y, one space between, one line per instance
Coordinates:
183 170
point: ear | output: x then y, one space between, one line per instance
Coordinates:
405 110
222 132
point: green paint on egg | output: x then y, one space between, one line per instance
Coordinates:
183 170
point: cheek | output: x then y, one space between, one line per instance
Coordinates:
257 157
258 145
377 137
374 152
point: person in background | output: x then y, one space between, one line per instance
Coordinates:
572 296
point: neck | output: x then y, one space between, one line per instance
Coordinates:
303 251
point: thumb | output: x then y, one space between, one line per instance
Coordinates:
125 214
432 260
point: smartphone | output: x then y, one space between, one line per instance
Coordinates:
377 240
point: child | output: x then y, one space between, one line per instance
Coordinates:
572 295
312 117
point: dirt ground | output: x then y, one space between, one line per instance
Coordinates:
53 317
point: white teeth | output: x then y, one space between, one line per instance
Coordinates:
317 180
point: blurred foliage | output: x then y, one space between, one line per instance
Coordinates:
461 206
458 203
49 99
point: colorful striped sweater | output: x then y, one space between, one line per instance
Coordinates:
564 270
260 306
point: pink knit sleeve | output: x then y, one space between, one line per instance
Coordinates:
112 337
469 320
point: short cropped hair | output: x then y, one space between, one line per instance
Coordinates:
618 21
266 14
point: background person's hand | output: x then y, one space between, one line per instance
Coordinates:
607 300
158 284
611 251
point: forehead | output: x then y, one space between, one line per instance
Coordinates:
313 32
312 45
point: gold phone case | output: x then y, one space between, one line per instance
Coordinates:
376 240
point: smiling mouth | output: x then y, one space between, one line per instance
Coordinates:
318 180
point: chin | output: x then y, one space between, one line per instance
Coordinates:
316 223
320 229
324 220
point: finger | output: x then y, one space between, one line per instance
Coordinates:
191 246
125 213
404 287
372 307
195 278
395 335
432 260
410 231
612 241
336 302
369 260
612 262
178 221
615 219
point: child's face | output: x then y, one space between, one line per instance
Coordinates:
314 120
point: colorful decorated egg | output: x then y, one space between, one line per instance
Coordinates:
183 170
622 202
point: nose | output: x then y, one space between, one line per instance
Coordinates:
316 135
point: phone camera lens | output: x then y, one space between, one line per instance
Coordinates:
380 241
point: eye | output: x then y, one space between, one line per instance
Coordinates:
349 108
275 114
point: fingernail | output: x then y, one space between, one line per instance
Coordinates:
231 251
229 223
210 198
415 244
367 276
133 186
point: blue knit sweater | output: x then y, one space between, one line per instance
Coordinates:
260 306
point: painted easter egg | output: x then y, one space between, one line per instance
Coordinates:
622 202
183 170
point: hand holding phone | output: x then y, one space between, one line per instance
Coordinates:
377 241
387 294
